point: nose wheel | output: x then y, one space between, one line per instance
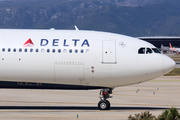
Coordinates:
104 105
104 94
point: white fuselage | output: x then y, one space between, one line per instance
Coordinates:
102 59
175 49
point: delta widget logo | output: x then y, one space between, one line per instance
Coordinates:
28 43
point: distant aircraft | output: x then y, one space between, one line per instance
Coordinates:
77 60
164 48
173 49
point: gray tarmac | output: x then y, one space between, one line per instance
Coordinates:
177 65
154 96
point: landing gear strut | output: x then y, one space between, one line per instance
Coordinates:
104 94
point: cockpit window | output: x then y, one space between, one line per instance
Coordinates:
144 50
148 51
155 50
141 51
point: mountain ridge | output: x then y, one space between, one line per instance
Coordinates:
158 17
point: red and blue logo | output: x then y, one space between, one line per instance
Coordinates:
28 43
55 42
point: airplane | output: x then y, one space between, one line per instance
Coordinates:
77 60
173 49
166 48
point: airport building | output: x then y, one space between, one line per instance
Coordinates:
158 41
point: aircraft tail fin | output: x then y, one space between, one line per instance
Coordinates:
170 45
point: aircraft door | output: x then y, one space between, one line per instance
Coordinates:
109 51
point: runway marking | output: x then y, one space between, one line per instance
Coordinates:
45 111
164 81
146 105
35 118
137 95
45 102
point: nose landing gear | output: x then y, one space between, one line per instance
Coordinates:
104 94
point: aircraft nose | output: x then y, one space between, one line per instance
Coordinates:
168 64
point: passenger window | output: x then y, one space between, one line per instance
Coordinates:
3 49
42 50
31 50
148 51
9 49
20 50
141 51
70 51
87 51
53 50
65 51
76 51
37 50
14 49
82 51
48 50
25 50
59 50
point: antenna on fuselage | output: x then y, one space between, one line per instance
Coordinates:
76 27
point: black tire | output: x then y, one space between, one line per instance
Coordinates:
104 105
109 105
